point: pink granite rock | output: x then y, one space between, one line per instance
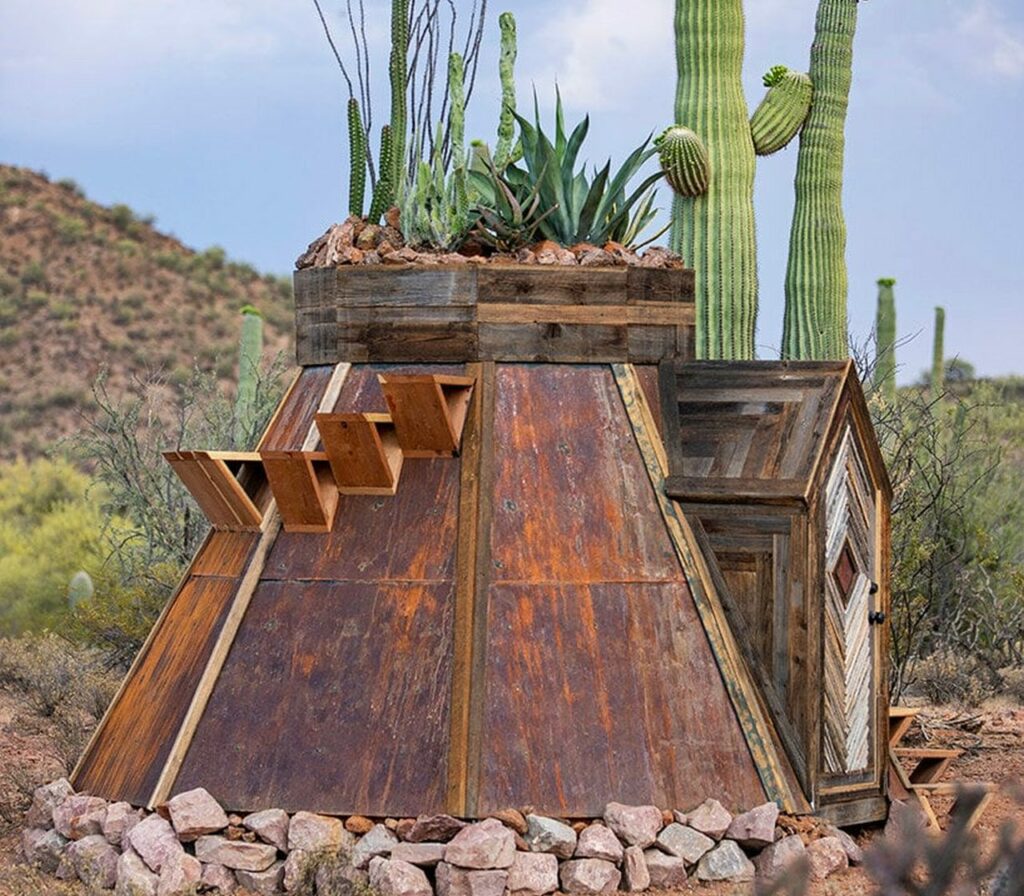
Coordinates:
133 876
755 829
94 861
596 841
195 813
44 800
710 818
270 825
80 816
43 848
268 882
154 840
179 875
635 876
774 860
533 874
666 872
826 856
235 854
390 878
589 876
634 825
484 845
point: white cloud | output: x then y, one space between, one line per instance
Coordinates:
990 42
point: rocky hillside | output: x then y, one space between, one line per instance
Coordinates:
85 287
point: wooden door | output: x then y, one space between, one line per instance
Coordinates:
851 639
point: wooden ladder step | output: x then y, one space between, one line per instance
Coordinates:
928 764
304 489
363 452
428 410
211 477
900 720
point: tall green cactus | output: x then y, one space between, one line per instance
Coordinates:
503 151
384 192
250 352
939 352
714 232
357 159
814 326
457 123
399 73
885 340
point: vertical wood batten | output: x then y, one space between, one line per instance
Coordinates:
465 592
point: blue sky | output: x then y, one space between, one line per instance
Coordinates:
225 119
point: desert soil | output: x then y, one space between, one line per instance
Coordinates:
992 738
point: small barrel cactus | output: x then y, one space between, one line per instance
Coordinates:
684 159
783 111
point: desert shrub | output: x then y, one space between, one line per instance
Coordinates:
33 274
10 314
128 247
51 526
122 216
71 229
328 872
948 676
71 186
122 442
1012 679
172 261
957 549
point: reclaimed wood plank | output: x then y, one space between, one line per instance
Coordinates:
428 412
550 285
363 452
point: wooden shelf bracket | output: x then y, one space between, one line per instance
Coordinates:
304 489
428 410
363 452
210 479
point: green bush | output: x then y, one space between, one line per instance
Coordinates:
71 186
50 527
33 274
121 216
71 229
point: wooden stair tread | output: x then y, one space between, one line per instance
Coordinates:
902 712
952 788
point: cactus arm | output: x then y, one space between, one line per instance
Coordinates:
506 71
714 232
814 325
782 112
885 340
939 352
684 159
398 72
357 159
250 351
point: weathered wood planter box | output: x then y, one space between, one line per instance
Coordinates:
493 313
493 551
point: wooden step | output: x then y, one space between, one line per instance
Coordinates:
928 763
363 452
900 720
428 410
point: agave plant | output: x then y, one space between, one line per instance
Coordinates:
580 209
505 221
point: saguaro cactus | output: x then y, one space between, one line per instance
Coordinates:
503 151
714 232
250 351
457 123
684 159
384 192
885 340
814 326
357 159
939 352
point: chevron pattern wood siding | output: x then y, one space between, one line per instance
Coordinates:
849 550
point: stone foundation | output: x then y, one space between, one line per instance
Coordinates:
191 845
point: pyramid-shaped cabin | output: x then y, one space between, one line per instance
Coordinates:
501 546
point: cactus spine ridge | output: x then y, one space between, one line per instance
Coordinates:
782 112
684 159
939 352
714 232
506 69
885 340
357 159
814 325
